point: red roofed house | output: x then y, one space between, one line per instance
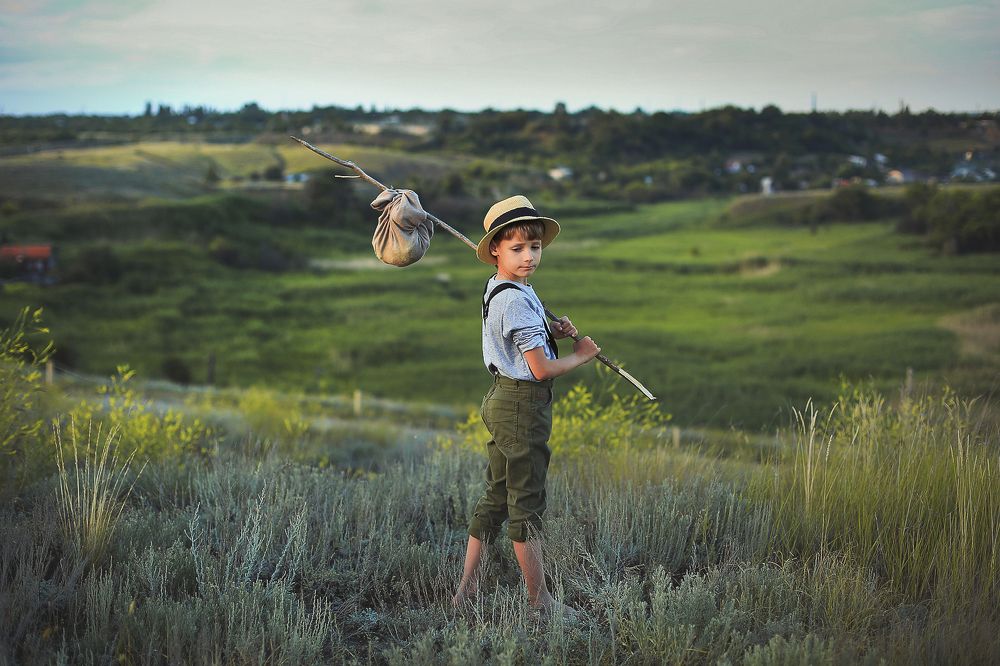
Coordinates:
33 263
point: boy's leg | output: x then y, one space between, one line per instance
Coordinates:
491 509
487 518
527 468
529 556
470 573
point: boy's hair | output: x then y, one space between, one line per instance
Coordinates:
528 230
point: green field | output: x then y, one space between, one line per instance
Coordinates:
176 170
728 324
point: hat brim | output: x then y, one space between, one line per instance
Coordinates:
483 249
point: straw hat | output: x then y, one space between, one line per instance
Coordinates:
514 209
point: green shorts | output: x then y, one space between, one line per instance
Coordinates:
518 415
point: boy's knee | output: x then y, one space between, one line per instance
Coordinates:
487 519
525 529
485 533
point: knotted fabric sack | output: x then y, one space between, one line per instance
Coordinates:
404 231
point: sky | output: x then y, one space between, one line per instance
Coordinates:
112 56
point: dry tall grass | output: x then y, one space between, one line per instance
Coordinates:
91 494
851 547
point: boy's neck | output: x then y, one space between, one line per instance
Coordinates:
511 278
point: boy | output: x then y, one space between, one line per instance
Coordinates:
520 350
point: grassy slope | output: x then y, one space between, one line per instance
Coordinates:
172 169
727 324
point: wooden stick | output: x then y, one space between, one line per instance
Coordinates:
460 236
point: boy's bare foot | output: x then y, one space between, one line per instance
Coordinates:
551 608
463 596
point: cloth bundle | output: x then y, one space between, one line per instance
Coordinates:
404 231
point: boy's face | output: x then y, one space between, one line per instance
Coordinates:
517 256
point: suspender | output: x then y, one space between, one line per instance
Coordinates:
486 313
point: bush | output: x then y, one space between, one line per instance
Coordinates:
964 222
328 197
212 176
955 221
21 389
915 197
97 265
176 370
849 204
276 259
149 433
224 251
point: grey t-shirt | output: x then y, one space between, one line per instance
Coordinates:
516 324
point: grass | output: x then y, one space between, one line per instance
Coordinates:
826 515
729 326
91 493
909 491
177 170
853 544
865 533
730 318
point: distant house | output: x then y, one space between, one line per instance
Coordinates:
560 173
296 177
30 263
392 124
970 172
900 176
857 160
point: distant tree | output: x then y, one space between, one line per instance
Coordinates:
212 176
915 199
176 370
325 194
770 113
957 222
7 209
848 204
224 251
453 184
274 172
95 265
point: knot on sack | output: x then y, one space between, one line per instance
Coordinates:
404 231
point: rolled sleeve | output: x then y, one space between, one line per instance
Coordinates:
521 324
529 338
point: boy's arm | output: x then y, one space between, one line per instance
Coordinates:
543 368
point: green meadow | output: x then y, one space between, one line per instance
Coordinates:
729 320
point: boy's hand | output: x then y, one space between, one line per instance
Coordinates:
586 348
563 328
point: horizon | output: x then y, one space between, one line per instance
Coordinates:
375 109
100 57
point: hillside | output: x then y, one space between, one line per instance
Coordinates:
728 322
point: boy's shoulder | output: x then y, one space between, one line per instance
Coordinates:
515 300
505 291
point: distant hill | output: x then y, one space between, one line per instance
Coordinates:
639 157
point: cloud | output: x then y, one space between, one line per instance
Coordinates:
437 52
